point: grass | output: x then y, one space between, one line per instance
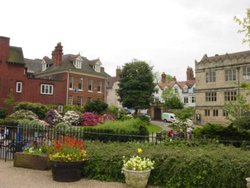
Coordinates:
153 128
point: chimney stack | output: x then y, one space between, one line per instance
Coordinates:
190 74
118 72
57 54
4 48
163 77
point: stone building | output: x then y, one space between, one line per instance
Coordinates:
218 80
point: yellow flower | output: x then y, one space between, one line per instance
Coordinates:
139 150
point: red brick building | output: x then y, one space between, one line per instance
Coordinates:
64 79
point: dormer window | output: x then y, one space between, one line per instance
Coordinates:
78 64
98 66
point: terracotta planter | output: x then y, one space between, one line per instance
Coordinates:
67 171
136 179
26 160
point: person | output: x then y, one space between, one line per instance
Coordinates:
171 134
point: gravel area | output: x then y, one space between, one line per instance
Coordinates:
13 177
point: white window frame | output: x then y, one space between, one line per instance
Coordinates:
70 100
80 83
185 100
78 64
71 82
47 89
99 87
90 85
19 87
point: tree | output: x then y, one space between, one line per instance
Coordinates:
97 106
136 85
172 101
236 109
245 24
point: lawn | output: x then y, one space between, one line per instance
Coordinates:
153 128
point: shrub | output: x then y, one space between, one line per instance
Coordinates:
37 108
75 108
32 124
62 127
53 117
71 118
185 113
177 167
3 113
23 114
243 123
114 111
96 106
89 119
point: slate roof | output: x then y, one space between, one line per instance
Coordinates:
217 57
16 55
67 64
33 65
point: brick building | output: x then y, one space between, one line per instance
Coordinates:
64 79
218 80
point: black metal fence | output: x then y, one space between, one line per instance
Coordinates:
14 139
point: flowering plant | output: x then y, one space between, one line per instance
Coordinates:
68 149
138 163
71 118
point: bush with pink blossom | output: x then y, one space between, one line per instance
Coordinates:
90 119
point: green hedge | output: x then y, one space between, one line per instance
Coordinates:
38 108
182 166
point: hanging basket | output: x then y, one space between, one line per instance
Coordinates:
67 171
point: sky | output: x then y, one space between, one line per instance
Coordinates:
168 34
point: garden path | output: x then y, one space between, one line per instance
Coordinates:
13 177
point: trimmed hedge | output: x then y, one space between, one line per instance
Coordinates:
175 166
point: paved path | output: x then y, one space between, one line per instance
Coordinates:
13 177
161 124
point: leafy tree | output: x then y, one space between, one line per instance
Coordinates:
172 101
236 109
185 113
136 85
245 24
9 102
97 106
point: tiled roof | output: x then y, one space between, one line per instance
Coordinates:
16 55
33 65
67 64
181 84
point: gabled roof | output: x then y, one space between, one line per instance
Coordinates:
16 55
33 65
226 56
67 64
181 84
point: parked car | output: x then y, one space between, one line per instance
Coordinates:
168 117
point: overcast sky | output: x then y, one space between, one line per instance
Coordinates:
168 34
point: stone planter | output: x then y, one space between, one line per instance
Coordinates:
136 179
67 171
36 162
248 182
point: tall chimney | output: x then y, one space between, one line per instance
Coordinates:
190 74
118 72
57 54
4 48
163 77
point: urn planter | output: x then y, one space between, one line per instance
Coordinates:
67 171
136 179
36 162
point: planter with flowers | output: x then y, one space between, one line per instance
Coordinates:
137 170
67 159
34 157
